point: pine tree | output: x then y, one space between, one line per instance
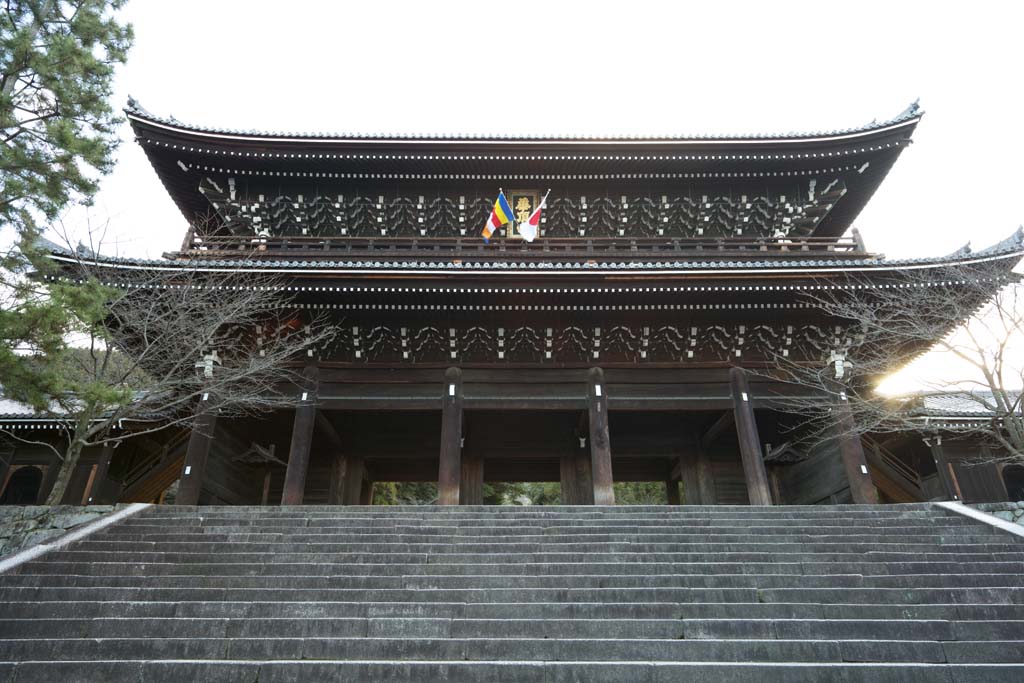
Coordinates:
58 133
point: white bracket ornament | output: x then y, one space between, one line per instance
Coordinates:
839 362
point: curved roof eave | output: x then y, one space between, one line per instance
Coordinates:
1009 249
907 118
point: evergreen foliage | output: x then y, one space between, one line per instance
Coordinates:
57 62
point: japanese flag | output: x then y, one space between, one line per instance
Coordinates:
531 226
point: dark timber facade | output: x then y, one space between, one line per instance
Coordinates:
616 347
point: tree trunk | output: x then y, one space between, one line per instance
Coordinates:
67 468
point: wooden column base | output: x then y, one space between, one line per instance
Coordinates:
449 473
352 485
672 492
600 444
198 451
366 492
471 490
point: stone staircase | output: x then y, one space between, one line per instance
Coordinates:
639 594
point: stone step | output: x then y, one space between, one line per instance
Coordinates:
519 529
355 524
834 580
510 610
338 563
648 550
329 671
853 510
472 649
639 566
107 544
854 593
264 540
994 595
419 627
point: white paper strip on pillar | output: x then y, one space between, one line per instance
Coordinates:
863 469
451 390
743 395
188 470
304 395
597 389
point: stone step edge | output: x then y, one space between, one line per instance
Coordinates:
461 663
29 554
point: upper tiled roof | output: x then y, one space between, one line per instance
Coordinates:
135 109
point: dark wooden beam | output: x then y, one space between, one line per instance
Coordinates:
198 452
750 443
471 489
450 466
302 439
851 450
600 444
724 421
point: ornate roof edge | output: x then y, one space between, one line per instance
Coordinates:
1010 248
137 112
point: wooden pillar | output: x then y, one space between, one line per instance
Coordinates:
945 470
600 445
366 492
352 485
104 490
5 469
471 489
450 466
569 480
584 477
776 485
750 443
851 450
689 477
302 439
197 453
672 492
335 487
75 489
706 479
267 475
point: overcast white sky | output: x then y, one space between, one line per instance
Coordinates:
600 68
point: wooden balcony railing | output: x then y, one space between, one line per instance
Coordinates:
541 249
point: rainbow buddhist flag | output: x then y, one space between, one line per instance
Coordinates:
500 215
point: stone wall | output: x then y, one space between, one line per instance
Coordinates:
1011 512
23 526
